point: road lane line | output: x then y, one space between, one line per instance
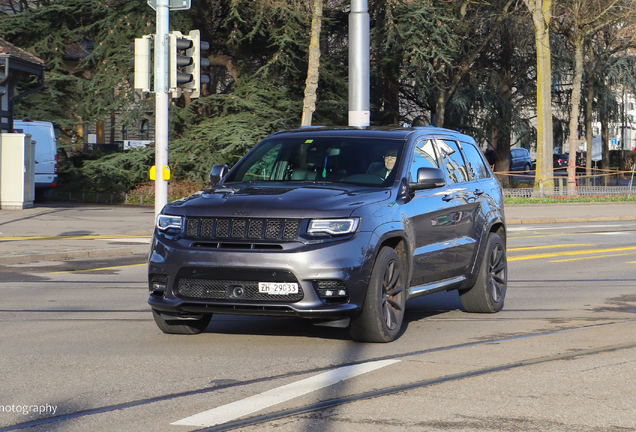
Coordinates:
100 268
562 227
127 240
74 237
568 253
593 257
548 235
279 395
548 247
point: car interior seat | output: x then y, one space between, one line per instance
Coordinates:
315 163
375 167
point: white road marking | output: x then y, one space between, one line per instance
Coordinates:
279 395
614 233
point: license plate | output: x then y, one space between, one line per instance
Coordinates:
276 288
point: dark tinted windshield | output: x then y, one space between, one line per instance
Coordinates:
364 161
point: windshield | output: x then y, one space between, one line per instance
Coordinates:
364 161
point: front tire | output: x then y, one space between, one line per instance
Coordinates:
383 309
489 291
170 325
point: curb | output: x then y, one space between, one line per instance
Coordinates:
62 256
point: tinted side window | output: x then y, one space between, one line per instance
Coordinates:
475 165
453 161
423 157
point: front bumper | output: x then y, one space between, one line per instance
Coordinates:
348 261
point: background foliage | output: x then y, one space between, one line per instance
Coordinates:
477 57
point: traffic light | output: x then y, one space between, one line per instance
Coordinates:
143 67
194 86
190 63
178 43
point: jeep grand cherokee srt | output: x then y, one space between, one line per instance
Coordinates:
338 225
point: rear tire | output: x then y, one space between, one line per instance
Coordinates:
39 198
180 326
489 291
383 309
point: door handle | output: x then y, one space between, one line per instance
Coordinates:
478 192
447 198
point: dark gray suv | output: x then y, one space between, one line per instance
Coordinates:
339 225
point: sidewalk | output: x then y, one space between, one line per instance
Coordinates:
569 213
74 231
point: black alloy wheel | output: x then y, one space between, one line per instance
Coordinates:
383 310
489 292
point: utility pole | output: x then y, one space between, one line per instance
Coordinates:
359 64
162 100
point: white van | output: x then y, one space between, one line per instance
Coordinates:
45 154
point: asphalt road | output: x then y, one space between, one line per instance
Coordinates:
77 337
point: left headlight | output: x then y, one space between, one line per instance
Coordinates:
333 226
166 222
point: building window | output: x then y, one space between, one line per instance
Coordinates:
144 130
124 132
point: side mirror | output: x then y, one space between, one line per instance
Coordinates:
217 173
428 178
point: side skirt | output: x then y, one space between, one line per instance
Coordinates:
446 284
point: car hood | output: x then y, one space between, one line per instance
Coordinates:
278 200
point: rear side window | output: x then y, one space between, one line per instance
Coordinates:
475 164
453 161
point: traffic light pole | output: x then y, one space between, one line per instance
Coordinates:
162 100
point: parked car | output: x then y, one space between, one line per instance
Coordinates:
338 225
45 155
560 160
520 160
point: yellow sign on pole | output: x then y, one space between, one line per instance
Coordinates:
165 173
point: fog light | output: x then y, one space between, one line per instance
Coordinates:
332 291
158 289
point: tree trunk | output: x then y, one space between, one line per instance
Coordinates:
440 107
605 141
309 103
588 116
574 113
541 11
504 109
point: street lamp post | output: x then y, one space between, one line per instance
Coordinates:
359 64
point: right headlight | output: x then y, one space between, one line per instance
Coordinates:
333 226
166 222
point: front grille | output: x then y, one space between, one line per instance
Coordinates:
242 228
223 289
